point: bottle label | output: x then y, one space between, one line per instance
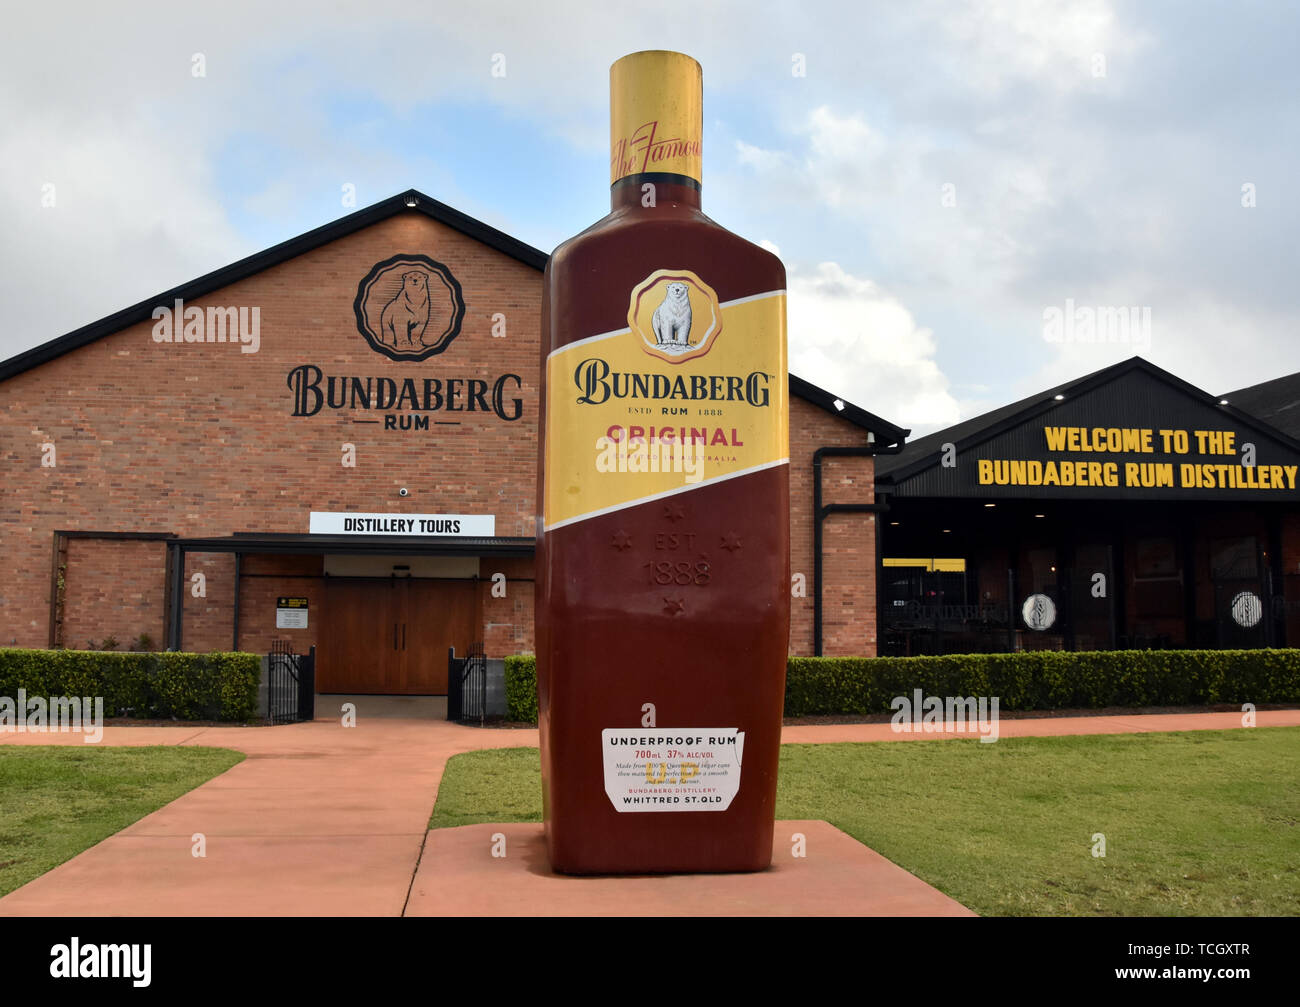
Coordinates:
692 392
672 769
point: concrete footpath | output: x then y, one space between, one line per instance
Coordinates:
322 819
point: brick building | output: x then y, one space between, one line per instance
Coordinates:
269 452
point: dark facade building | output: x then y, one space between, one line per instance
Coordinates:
1124 509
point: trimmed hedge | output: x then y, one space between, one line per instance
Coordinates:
215 686
521 689
1033 680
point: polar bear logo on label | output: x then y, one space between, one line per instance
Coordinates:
675 315
672 319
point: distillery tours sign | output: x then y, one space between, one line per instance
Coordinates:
408 308
411 525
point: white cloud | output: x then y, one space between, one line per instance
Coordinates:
854 339
1006 41
122 226
1117 190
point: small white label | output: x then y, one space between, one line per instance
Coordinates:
290 618
672 769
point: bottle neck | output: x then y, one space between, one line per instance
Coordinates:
630 191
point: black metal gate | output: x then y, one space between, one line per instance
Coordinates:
290 684
467 685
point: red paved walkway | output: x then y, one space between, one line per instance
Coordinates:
326 820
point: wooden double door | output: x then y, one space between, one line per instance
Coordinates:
390 636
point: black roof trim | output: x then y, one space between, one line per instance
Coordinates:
886 434
274 256
924 452
255 542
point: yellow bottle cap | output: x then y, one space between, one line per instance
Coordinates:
656 115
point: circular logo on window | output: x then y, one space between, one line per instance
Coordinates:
1246 609
1038 611
409 307
676 314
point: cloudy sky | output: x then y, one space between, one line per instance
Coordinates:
948 183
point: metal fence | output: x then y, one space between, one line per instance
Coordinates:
290 684
467 685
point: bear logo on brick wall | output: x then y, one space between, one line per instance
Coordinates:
409 307
406 316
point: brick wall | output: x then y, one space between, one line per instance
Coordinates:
262 580
849 540
208 602
508 621
114 588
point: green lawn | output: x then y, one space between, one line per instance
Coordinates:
1197 823
58 801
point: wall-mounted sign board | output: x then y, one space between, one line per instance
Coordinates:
290 613
411 525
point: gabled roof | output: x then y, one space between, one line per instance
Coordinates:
274 256
1276 402
885 433
924 452
410 201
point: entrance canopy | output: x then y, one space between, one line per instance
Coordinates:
257 544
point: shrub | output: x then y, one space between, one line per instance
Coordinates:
1032 680
215 686
521 688
143 642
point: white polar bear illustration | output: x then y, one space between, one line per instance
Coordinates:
672 319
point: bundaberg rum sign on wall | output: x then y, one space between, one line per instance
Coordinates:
663 562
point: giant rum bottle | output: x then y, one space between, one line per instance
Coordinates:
663 562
